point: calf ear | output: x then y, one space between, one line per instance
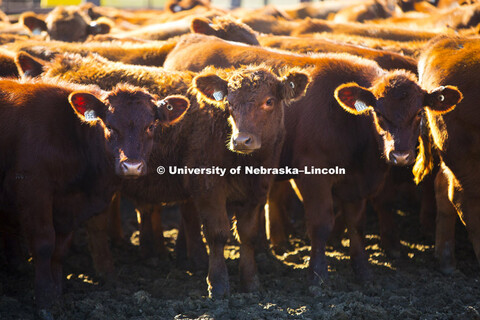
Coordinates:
28 65
211 86
202 25
354 98
172 109
101 26
294 85
87 107
32 22
443 99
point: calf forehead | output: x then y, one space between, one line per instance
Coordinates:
248 85
131 106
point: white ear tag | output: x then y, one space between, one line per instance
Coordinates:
90 115
177 8
360 105
37 31
218 95
292 85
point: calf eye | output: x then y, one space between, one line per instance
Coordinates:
268 105
150 128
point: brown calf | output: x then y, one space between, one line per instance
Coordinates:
299 27
455 139
63 149
143 53
390 113
368 10
244 107
385 59
66 24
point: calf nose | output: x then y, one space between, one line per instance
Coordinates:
245 142
132 167
401 158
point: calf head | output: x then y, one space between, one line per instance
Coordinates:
175 6
128 116
67 24
255 99
225 28
397 104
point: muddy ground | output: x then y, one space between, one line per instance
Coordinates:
406 288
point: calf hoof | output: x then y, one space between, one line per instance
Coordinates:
317 272
219 291
251 286
447 268
393 253
363 273
44 314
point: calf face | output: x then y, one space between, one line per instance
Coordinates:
397 104
129 117
255 98
67 24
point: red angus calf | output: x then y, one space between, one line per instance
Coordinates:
382 122
456 135
66 24
63 148
244 107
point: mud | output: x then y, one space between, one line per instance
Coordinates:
405 288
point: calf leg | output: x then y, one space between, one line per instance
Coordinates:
62 244
152 241
319 220
115 229
37 222
445 230
99 246
428 209
355 219
214 216
279 226
248 227
189 241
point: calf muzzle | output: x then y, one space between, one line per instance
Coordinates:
132 168
401 158
245 142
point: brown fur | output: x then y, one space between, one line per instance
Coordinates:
369 10
455 138
199 140
386 60
57 166
298 27
68 24
390 125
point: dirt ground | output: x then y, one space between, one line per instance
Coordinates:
406 288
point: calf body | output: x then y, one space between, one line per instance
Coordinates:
63 149
381 123
455 139
244 107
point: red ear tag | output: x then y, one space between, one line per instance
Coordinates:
80 104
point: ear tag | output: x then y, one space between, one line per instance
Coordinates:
360 105
90 115
218 95
292 85
441 97
37 31
177 8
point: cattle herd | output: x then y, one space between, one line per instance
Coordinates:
379 88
